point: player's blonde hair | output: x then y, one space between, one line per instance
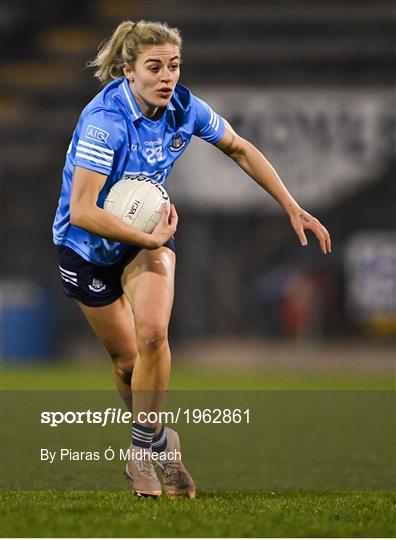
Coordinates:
126 43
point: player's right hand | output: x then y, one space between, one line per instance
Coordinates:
166 228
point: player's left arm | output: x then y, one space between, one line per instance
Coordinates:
252 161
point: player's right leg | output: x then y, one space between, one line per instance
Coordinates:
114 327
100 296
113 324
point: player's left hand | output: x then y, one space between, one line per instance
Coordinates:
302 221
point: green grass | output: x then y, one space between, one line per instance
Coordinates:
119 514
183 377
281 512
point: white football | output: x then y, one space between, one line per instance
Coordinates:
137 201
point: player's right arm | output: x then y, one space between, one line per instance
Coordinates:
85 214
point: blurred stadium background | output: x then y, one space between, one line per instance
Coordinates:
311 83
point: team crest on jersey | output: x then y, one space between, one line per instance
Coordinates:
97 285
177 143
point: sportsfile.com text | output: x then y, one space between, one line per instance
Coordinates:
117 416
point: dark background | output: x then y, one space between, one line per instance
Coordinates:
240 274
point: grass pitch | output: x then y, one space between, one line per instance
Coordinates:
118 514
279 513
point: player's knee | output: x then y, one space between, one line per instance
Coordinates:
123 364
152 336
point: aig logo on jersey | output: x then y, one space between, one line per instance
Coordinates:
96 134
177 143
97 285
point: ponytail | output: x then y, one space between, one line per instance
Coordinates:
125 45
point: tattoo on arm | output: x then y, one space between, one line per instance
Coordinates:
301 215
304 218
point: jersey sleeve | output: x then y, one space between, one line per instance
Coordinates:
208 124
102 133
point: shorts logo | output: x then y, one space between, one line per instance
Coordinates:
97 285
96 134
177 143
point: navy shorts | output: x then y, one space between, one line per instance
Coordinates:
91 284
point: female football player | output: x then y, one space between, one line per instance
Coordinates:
123 279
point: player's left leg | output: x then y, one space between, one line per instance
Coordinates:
148 282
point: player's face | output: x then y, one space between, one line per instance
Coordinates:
154 76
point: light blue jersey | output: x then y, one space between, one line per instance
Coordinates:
112 137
